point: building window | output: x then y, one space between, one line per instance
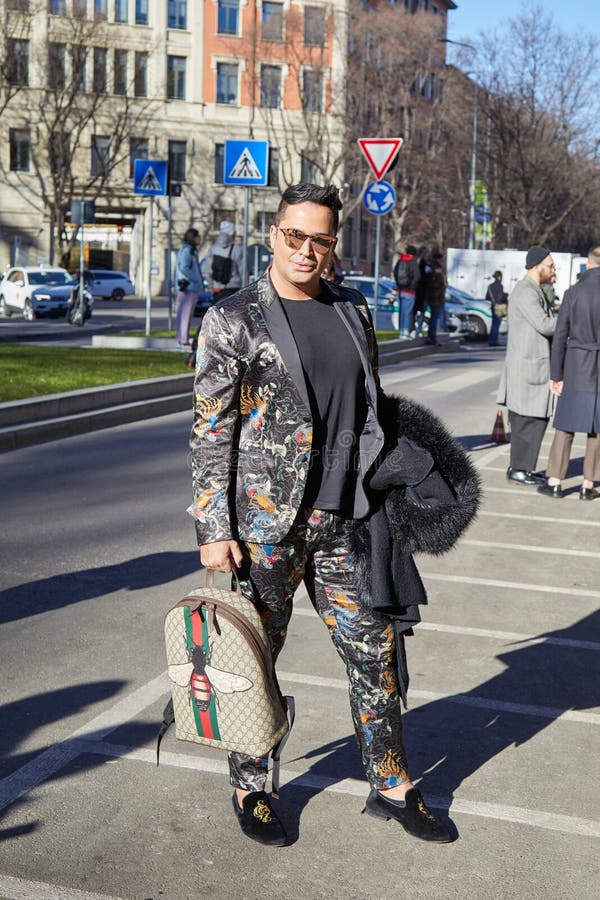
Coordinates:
56 7
100 10
20 150
228 15
219 163
100 155
78 56
273 180
272 21
138 149
140 85
312 90
99 76
176 77
227 83
59 152
141 12
315 25
177 14
121 11
309 171
18 62
18 5
80 9
57 66
120 72
270 86
177 155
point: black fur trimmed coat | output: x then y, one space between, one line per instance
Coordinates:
415 523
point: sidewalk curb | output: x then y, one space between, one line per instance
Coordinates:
24 423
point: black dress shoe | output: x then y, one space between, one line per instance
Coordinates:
551 490
258 820
588 493
523 477
413 815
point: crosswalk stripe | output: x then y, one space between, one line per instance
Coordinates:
467 379
553 520
511 585
529 548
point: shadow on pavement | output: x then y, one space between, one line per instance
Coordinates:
449 740
59 591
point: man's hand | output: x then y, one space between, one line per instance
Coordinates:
221 555
556 387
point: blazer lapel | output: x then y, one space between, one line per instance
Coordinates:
281 335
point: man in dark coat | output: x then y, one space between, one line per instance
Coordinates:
575 379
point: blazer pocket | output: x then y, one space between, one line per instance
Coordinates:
536 371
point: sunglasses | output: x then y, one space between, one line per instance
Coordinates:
295 239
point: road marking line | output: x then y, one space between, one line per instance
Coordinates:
551 519
470 378
505 636
523 709
528 548
50 761
19 889
353 787
490 456
407 375
513 585
522 491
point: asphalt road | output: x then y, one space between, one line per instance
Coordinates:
502 726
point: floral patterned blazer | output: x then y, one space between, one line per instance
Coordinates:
252 433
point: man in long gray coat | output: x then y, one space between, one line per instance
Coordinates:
575 374
524 386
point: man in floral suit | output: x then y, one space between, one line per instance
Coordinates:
286 430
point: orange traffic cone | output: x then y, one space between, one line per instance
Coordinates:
499 434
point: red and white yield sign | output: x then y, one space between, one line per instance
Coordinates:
380 153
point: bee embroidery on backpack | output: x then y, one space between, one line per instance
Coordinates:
204 680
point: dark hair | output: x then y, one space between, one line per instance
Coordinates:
411 249
311 193
497 274
191 235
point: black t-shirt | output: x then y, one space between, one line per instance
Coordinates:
335 382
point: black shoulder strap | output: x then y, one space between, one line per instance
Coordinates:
168 719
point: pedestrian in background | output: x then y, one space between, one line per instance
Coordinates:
435 296
497 297
407 275
189 283
575 379
223 263
419 307
524 385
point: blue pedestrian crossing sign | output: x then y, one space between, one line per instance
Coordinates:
246 162
379 198
150 177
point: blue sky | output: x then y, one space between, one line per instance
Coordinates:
474 15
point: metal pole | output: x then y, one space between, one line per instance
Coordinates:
168 266
376 271
81 245
149 262
473 171
245 238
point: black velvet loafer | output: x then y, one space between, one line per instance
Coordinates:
588 493
550 490
258 820
413 815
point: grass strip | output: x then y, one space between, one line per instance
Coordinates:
32 371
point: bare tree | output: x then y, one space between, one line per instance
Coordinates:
540 93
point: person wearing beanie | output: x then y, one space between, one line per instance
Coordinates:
525 382
223 264
189 282
407 275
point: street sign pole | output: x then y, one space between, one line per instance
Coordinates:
376 271
149 263
168 273
245 238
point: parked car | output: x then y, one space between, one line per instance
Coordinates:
457 320
33 291
478 312
108 284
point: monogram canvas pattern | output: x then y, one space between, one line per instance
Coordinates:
250 719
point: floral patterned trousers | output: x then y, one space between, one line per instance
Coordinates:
315 552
